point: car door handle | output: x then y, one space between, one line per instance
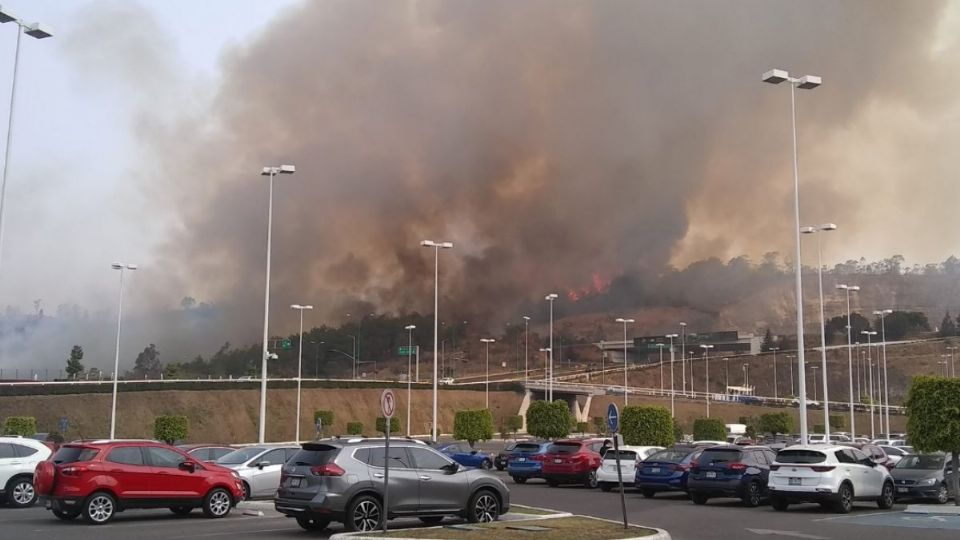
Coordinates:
378 475
427 478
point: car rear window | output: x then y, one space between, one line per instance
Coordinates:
315 454
527 447
73 454
801 456
720 456
671 455
624 454
564 448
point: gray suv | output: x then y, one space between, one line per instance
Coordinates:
342 480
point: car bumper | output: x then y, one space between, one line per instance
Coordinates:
329 506
917 492
61 504
732 487
662 484
816 495
608 476
566 478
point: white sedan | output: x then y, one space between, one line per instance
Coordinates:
630 457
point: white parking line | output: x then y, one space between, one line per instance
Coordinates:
231 533
852 515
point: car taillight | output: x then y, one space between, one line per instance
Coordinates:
737 466
73 470
822 468
681 467
330 469
539 457
774 467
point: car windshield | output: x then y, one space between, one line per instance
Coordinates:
240 456
527 447
719 456
73 454
624 454
930 462
564 448
801 456
671 455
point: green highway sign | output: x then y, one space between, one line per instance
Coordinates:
405 351
286 344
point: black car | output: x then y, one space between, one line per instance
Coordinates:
731 471
500 460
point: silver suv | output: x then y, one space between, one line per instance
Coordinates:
342 480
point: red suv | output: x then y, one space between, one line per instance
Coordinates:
100 478
573 462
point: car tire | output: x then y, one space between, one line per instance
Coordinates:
752 497
486 465
844 502
181 510
99 508
590 482
779 504
66 515
20 492
648 493
247 492
364 514
943 495
553 483
698 498
431 520
312 524
483 507
606 486
886 500
520 479
217 503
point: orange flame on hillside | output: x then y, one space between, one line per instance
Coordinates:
598 285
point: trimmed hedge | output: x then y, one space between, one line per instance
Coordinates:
20 425
514 423
647 426
354 428
473 425
600 424
326 418
776 423
548 420
709 429
394 425
677 431
582 427
170 429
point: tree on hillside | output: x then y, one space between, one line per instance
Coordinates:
767 341
947 326
74 366
901 324
837 327
933 421
148 363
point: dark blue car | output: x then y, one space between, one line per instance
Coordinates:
666 470
526 461
731 471
466 456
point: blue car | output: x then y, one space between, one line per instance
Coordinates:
731 471
466 456
526 461
667 470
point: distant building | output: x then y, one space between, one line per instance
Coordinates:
646 349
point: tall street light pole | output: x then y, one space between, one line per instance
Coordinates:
526 347
706 361
116 359
301 309
882 313
814 369
661 346
671 337
775 381
807 82
823 322
409 328
486 391
437 246
270 172
625 322
870 335
683 356
34 30
849 289
550 298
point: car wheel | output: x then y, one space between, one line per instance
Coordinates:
844 502
698 498
181 510
779 504
486 465
886 500
65 515
217 503
552 483
606 486
501 466
20 492
751 498
99 508
312 524
520 479
431 520
591 480
648 493
364 514
484 507
247 492
942 494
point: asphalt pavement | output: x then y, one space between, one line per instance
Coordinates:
721 519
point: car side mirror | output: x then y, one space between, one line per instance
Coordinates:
451 468
188 466
263 464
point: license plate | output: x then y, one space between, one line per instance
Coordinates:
558 461
794 481
902 490
521 460
655 470
295 482
711 474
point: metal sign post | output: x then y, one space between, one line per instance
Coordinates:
613 422
388 404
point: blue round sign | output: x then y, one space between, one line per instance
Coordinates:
613 418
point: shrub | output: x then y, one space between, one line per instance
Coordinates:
677 431
514 423
548 420
600 424
325 418
354 428
20 425
582 427
933 422
709 429
394 425
170 429
837 421
776 423
473 425
648 426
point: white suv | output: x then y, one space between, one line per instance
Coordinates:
18 460
630 457
834 476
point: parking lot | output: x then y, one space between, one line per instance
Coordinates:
720 519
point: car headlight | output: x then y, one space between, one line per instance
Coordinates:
927 482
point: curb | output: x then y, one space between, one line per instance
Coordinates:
940 509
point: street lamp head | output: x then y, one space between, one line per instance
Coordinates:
116 266
683 323
774 349
37 30
625 321
671 336
7 15
410 327
428 243
828 227
487 340
883 312
526 318
132 267
854 288
446 245
775 76
706 346
544 349
551 296
868 332
809 82
807 230
287 169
